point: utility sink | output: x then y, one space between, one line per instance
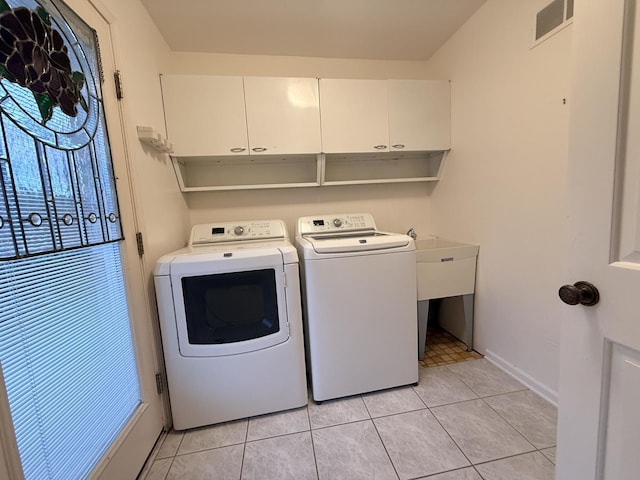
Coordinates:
431 249
445 268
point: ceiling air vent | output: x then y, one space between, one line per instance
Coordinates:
552 17
549 18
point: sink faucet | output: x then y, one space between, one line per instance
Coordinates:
412 233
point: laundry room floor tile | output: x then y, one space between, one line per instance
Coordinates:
530 466
220 435
170 445
418 445
462 474
351 452
158 470
484 378
218 464
280 423
336 412
530 414
392 401
480 432
550 453
440 429
440 386
289 457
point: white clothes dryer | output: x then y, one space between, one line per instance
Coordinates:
360 302
231 323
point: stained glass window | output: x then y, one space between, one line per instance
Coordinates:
66 349
58 188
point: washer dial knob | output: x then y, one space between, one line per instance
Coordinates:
337 222
239 230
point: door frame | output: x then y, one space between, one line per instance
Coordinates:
147 349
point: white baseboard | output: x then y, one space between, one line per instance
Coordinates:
542 390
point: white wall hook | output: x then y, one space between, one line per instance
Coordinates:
149 136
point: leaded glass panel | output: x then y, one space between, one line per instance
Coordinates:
58 186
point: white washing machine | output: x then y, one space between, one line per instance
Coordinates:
359 300
231 323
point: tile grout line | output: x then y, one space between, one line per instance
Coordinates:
515 455
375 427
508 423
244 449
449 435
313 445
536 449
173 457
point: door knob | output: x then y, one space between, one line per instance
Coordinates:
580 292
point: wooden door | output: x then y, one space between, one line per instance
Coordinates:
599 414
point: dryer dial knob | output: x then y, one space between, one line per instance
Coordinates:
239 230
337 222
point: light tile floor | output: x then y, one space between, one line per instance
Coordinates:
465 421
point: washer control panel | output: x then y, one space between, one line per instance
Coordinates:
336 223
208 233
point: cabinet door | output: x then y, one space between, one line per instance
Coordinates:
205 115
282 115
419 115
354 116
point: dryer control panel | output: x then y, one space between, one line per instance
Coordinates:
208 233
347 222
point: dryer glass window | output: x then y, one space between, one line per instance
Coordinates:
231 307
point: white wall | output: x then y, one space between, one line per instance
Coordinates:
505 180
396 207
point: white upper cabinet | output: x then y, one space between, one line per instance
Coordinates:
384 115
282 115
419 115
205 115
354 115
215 115
370 131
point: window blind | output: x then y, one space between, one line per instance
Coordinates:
67 355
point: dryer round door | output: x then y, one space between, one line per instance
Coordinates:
230 305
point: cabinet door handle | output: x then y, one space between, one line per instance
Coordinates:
238 149
379 147
259 149
398 146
